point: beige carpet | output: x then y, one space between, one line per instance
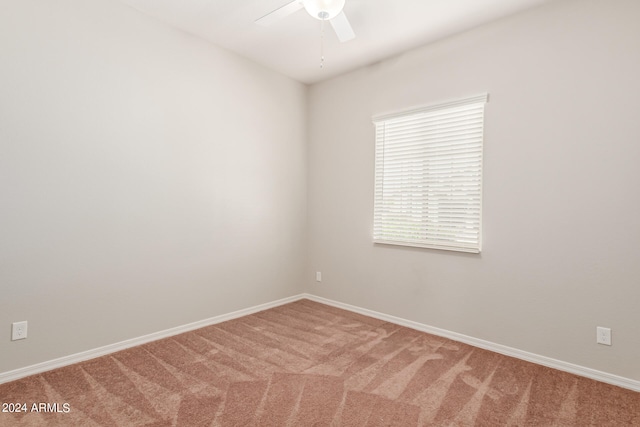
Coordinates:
308 364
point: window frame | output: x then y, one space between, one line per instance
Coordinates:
408 207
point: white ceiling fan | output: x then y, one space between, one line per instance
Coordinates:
324 10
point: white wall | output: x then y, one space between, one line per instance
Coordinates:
147 179
561 250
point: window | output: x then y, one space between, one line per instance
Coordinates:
428 176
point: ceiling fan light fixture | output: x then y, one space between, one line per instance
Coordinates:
323 9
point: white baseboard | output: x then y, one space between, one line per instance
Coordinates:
112 348
487 345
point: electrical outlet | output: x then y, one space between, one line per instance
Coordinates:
603 335
18 330
318 276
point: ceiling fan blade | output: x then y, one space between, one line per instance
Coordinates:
280 13
342 27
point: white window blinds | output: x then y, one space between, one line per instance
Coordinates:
428 176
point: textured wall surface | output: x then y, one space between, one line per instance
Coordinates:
147 179
561 201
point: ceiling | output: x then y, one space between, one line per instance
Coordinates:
383 28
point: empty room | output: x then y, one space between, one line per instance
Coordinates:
319 212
